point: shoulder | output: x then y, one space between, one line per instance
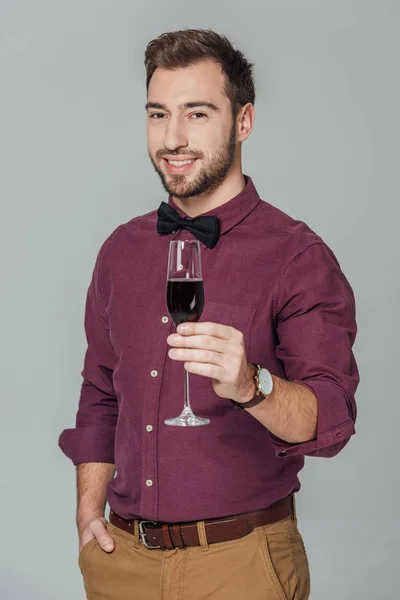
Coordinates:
127 236
290 236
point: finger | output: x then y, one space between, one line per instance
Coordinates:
205 369
225 332
103 538
192 355
205 342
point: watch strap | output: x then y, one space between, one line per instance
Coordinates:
258 396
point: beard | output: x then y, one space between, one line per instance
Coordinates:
211 176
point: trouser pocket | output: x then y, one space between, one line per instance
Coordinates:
286 560
86 548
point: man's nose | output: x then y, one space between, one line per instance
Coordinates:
175 135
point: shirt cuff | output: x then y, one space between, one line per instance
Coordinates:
88 444
335 424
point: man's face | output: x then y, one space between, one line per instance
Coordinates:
190 119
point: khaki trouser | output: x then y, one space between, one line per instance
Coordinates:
268 564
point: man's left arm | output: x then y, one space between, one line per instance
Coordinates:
314 412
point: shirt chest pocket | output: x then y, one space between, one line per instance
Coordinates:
238 317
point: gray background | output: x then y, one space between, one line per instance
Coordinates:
74 165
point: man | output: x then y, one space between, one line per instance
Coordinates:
207 512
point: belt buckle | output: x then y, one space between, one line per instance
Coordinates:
143 535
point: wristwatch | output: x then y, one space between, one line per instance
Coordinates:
264 387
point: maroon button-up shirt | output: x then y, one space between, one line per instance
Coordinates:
269 276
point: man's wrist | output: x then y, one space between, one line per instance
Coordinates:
249 388
82 520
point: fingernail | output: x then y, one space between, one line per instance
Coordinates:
108 546
182 328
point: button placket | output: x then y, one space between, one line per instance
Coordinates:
149 499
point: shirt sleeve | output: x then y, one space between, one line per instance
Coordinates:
316 328
92 439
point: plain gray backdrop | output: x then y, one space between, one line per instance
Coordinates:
74 165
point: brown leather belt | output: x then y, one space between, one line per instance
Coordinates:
180 535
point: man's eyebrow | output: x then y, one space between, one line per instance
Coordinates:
155 105
197 104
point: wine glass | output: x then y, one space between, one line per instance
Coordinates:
185 302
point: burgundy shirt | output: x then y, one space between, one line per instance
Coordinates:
269 276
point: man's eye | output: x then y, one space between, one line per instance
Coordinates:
156 116
198 115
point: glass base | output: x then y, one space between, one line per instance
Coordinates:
187 419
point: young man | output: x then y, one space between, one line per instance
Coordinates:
207 512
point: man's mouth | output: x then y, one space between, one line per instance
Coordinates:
179 166
180 163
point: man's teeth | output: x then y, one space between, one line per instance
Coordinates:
180 163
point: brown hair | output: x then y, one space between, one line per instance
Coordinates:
178 49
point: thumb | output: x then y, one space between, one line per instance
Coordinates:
106 542
104 539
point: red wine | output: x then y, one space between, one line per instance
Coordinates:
185 299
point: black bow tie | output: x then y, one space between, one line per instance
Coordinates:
206 229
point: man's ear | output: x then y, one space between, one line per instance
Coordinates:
245 121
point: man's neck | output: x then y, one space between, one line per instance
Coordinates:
233 185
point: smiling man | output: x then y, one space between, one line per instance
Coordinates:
207 512
199 170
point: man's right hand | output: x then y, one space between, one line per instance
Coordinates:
95 528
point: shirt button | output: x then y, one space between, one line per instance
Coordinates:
149 428
149 482
164 319
154 373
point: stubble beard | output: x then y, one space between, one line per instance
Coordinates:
211 176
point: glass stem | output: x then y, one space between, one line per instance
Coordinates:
186 407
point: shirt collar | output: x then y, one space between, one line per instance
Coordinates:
233 211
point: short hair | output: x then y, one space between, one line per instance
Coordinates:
179 49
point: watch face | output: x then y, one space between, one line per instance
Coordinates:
265 381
